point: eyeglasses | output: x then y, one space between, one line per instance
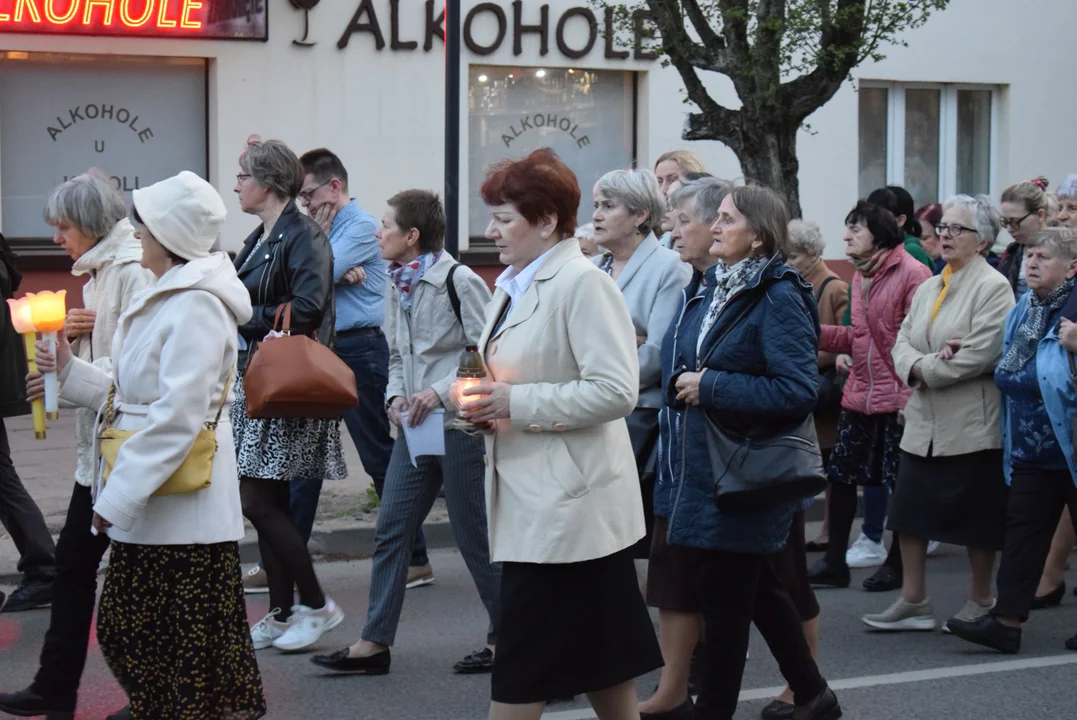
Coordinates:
306 195
1009 223
241 177
955 231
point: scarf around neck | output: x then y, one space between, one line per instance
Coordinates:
727 280
1034 327
406 277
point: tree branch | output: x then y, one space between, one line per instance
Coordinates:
709 55
839 52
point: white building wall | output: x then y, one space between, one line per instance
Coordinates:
382 111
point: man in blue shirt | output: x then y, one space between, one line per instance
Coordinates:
360 276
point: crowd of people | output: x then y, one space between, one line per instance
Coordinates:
936 388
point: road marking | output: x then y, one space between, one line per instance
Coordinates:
901 678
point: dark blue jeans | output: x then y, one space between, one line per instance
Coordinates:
367 354
874 498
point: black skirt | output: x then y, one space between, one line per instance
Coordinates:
570 629
674 573
791 565
867 451
959 499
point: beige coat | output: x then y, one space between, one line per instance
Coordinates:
955 410
561 481
425 344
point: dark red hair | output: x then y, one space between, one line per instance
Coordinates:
930 215
539 186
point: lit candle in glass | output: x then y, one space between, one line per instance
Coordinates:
22 321
470 373
48 310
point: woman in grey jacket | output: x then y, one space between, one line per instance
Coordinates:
434 308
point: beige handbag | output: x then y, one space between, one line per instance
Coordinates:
194 473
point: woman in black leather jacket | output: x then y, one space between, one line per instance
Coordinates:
287 259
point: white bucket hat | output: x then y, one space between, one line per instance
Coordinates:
184 213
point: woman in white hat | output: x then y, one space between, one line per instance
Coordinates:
172 623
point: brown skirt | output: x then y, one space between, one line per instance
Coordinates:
673 573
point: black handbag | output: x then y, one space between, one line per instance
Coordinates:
831 385
752 473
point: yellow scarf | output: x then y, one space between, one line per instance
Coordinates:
947 272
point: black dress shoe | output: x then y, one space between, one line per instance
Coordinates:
124 714
27 703
1051 599
1071 644
821 574
777 710
884 579
812 546
684 711
30 595
342 662
478 662
824 707
989 632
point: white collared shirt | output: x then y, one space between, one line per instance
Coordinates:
515 282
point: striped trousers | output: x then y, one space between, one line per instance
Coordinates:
406 500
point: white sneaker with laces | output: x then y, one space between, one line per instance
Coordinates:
308 626
865 553
266 630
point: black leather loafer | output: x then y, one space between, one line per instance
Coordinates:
777 710
27 703
342 662
1051 599
684 711
989 632
478 662
820 574
1071 644
884 579
824 707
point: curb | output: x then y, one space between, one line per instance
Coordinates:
354 543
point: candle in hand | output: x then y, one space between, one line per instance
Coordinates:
48 310
22 320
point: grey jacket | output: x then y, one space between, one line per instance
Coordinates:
651 283
425 344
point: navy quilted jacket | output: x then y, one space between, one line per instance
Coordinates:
761 375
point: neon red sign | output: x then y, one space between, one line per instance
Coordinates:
207 19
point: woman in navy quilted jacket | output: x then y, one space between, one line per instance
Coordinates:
758 329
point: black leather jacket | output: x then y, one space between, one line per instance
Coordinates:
294 264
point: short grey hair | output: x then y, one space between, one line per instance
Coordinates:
806 237
638 191
87 202
274 166
1060 241
1068 189
706 195
585 232
985 216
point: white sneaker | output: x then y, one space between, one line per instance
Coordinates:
266 630
903 616
308 626
865 553
932 546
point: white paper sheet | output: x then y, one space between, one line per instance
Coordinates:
428 438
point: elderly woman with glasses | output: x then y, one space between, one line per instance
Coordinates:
950 485
1024 213
1035 376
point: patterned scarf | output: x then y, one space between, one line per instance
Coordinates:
868 265
1034 327
406 277
727 280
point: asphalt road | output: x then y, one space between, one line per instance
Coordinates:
878 677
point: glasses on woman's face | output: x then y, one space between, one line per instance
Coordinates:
1014 223
241 177
954 230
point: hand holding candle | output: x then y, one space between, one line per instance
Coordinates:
23 323
48 310
470 374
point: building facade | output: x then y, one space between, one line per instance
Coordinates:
145 88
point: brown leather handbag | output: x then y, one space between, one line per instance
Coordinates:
295 376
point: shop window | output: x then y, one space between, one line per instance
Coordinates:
935 140
585 116
139 120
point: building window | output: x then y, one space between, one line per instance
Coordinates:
934 140
139 120
586 116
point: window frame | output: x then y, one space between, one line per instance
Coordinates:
895 141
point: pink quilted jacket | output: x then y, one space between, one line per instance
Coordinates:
873 388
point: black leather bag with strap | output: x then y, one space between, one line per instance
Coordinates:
831 384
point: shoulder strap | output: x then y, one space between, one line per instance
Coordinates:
454 297
819 292
224 398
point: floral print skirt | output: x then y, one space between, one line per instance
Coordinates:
868 449
172 626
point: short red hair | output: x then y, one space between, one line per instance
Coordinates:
539 186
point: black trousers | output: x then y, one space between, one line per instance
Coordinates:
23 520
740 589
78 557
1036 500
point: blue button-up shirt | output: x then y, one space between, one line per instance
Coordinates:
354 244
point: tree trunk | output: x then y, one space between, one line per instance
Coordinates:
768 155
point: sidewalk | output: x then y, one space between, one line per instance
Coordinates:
344 526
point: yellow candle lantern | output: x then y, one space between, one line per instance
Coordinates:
23 323
48 310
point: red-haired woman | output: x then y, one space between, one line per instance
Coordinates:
562 491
